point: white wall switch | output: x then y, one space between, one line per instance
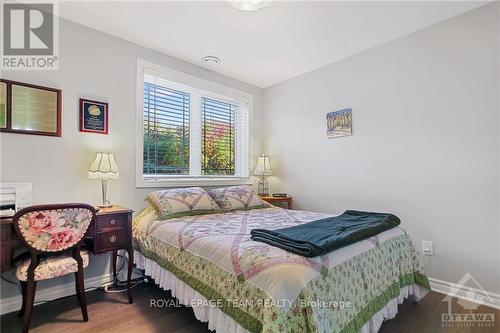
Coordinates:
427 248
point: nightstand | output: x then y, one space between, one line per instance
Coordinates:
274 200
112 231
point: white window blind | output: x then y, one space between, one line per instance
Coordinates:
217 142
166 129
193 132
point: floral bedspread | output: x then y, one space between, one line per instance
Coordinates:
267 289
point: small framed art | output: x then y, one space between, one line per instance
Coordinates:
93 116
339 123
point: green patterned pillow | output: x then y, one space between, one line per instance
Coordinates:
237 197
181 202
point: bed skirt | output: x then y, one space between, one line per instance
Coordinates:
222 323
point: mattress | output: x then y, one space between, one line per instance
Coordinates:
266 289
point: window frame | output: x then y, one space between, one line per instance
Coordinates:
196 87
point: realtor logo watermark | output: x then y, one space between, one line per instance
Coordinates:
30 35
250 303
471 295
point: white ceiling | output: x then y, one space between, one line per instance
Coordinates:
265 47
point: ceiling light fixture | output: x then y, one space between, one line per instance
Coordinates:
249 5
211 60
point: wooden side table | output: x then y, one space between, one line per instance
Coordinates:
274 200
112 231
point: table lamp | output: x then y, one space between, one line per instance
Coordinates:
263 169
104 167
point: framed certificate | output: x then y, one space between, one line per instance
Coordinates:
3 105
93 116
29 109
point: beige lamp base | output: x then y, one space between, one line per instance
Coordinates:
105 202
105 206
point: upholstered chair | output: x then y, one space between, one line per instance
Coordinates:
53 235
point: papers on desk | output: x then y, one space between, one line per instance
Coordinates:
7 212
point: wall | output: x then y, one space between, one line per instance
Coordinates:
425 144
426 141
96 66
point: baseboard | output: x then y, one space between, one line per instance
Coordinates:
14 303
461 291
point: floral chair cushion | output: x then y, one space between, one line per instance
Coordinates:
54 230
51 267
237 197
181 201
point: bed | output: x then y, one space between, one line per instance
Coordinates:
237 285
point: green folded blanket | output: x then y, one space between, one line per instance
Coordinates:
322 236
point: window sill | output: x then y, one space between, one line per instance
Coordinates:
182 182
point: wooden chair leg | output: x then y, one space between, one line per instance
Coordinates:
80 293
23 291
30 298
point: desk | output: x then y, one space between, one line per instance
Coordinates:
6 243
110 231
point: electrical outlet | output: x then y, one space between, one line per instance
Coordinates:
427 248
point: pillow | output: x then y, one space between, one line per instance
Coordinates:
181 202
236 197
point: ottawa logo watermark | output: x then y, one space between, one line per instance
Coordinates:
30 36
470 296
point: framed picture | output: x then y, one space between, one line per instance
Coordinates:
93 116
339 123
3 105
29 109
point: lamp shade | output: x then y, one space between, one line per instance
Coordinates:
104 167
263 167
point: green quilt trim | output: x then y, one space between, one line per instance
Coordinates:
244 319
380 301
189 213
255 326
421 280
199 211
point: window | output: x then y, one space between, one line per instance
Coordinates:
166 130
217 137
190 131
